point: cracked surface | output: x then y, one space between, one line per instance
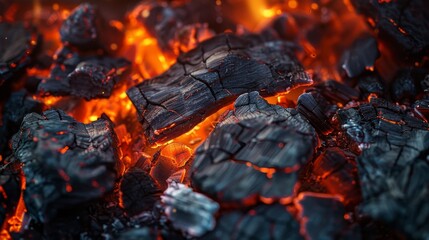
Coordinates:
210 77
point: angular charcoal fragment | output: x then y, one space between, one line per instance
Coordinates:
262 222
82 76
371 84
17 43
360 57
403 25
18 105
394 180
65 162
257 156
405 86
138 191
209 78
312 107
190 212
86 29
337 92
321 216
338 173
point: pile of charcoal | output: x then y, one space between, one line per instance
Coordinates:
348 159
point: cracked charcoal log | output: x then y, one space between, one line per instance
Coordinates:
377 119
87 29
209 78
66 163
18 105
395 183
371 84
338 173
138 191
402 25
312 106
336 92
17 43
83 76
360 57
321 216
190 212
262 222
254 157
405 86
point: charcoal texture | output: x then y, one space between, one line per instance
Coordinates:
403 25
17 43
257 152
407 84
210 77
139 191
65 163
371 84
82 76
313 107
261 222
395 186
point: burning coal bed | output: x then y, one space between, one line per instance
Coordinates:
214 119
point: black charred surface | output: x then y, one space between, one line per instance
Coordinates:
17 43
336 92
87 29
18 105
257 151
408 85
360 57
395 186
261 222
10 182
82 76
210 77
139 191
65 163
313 106
403 25
371 83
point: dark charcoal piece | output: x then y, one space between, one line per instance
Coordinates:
82 76
86 29
211 77
405 86
360 57
371 84
421 109
336 92
312 107
138 191
262 222
394 180
283 26
401 24
321 216
377 119
18 105
338 173
17 43
66 163
254 157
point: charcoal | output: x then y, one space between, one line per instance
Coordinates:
338 173
421 109
284 27
402 25
321 216
18 105
87 29
262 222
138 191
209 78
17 43
190 212
82 76
424 83
360 57
378 119
371 84
137 234
254 157
336 92
65 163
312 107
405 86
395 184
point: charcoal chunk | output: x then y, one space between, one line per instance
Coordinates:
209 78
190 212
17 43
312 107
405 86
65 163
254 157
138 191
371 84
360 57
336 92
262 222
87 29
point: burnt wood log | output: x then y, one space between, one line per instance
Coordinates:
210 77
65 163
259 156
